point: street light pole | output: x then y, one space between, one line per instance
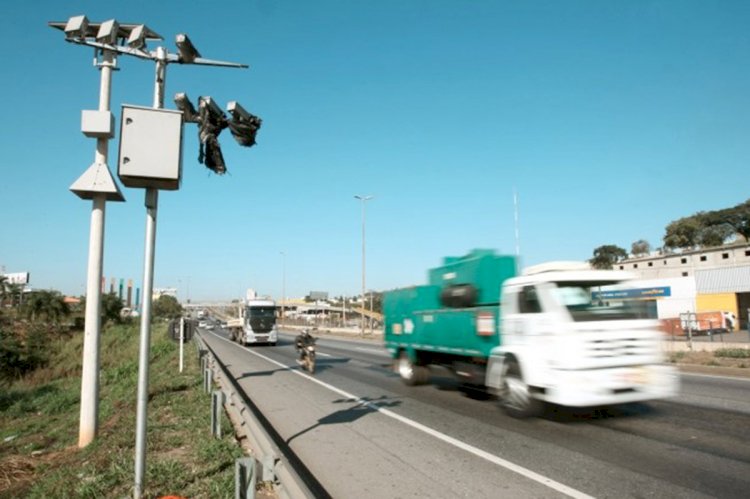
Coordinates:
283 286
364 200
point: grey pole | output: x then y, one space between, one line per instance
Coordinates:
152 203
89 420
363 199
182 341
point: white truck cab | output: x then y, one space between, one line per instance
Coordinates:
256 324
561 345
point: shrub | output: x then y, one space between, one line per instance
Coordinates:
733 353
19 356
676 356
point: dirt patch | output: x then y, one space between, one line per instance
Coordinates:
17 471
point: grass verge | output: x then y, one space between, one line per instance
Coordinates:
39 417
736 358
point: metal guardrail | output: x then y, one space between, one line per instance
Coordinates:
273 463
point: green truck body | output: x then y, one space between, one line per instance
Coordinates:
456 314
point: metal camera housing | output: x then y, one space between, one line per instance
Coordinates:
108 32
76 27
188 52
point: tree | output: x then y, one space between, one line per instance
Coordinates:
167 307
10 291
607 255
3 288
715 235
640 247
109 307
682 233
739 218
46 305
709 228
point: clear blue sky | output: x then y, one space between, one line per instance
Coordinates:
611 119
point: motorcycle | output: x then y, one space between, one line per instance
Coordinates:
308 357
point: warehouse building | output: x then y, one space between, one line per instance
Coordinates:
708 280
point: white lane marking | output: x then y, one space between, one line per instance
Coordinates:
698 375
321 354
532 475
372 350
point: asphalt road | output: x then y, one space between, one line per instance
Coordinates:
362 433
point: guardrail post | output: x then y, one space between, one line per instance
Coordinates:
208 380
269 466
244 478
217 407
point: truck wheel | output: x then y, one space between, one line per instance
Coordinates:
410 373
515 397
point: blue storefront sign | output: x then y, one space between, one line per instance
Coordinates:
642 293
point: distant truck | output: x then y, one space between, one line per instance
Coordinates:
700 323
531 339
256 323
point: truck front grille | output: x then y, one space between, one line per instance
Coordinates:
605 348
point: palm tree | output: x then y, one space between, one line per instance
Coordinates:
48 305
3 288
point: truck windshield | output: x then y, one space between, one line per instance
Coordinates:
261 312
577 297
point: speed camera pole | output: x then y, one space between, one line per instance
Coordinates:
98 185
152 206
89 418
187 55
156 128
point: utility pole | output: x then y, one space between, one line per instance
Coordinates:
364 200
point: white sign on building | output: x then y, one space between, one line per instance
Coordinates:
17 278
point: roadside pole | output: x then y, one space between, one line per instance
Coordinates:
152 206
98 185
182 339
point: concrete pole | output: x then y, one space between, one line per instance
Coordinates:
89 420
152 204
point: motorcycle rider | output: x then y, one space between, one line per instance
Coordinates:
303 340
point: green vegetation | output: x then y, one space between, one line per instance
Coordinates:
39 413
607 255
709 228
704 229
110 308
46 306
733 353
167 307
676 356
